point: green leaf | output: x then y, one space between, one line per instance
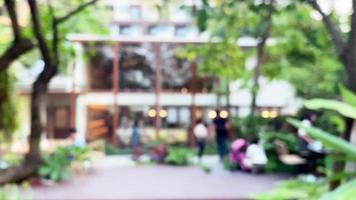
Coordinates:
346 191
344 109
348 96
328 139
44 171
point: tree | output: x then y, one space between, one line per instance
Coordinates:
226 23
303 54
345 49
50 51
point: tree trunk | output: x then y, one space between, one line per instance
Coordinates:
261 56
339 166
255 86
349 62
37 99
17 174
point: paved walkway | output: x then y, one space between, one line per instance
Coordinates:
118 178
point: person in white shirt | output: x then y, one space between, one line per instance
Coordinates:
256 156
201 133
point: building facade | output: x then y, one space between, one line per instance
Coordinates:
135 74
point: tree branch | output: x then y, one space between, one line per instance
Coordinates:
37 29
334 31
261 54
11 8
55 33
81 7
20 45
17 49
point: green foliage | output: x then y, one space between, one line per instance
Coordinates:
112 150
346 191
274 164
331 121
345 151
224 59
8 112
9 159
56 166
11 192
348 96
210 148
336 143
344 109
289 139
228 165
179 156
204 167
251 126
296 189
86 21
303 54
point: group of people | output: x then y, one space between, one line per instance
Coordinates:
250 156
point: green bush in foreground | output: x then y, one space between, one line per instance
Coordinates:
296 189
56 166
179 156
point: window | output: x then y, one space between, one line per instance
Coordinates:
100 67
136 68
135 12
61 118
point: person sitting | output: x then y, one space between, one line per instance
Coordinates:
310 149
256 157
76 139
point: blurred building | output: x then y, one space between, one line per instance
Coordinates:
135 74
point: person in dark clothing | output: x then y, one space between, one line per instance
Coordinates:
221 134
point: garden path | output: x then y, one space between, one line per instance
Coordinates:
117 177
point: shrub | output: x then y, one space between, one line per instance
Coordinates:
249 127
179 156
56 166
268 138
299 188
11 192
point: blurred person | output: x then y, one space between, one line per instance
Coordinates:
135 138
310 149
256 158
201 133
306 143
76 139
221 131
238 153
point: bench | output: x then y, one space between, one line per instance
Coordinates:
285 157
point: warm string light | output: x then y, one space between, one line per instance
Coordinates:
269 114
212 114
223 114
152 113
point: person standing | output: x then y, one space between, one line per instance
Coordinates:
201 133
135 139
221 137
